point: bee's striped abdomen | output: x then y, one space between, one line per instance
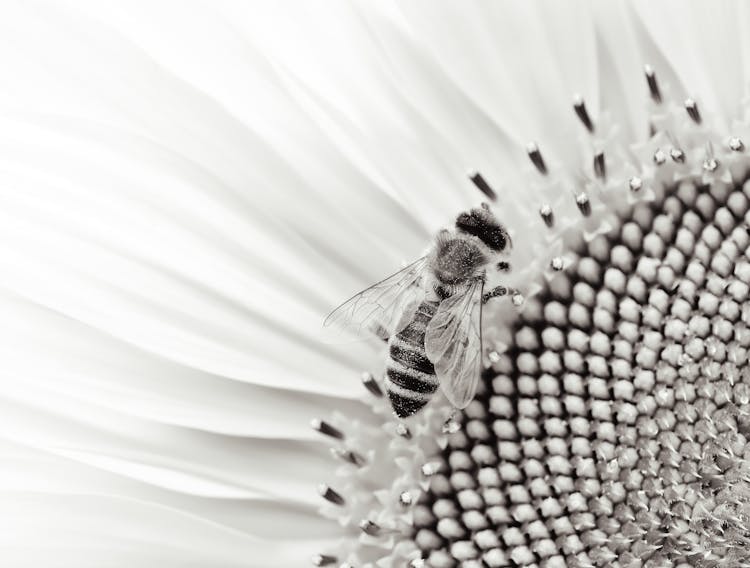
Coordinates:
410 377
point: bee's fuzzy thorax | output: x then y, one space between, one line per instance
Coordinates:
457 258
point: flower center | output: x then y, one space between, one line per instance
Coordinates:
614 427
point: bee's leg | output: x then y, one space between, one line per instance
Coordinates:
497 292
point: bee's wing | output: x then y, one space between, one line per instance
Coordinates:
384 308
453 343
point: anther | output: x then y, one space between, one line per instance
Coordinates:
403 431
735 144
371 384
369 527
330 495
418 563
600 166
653 85
431 468
659 157
323 560
547 215
349 456
482 185
405 499
584 204
710 163
677 155
517 299
556 263
635 184
580 107
326 429
451 426
692 109
536 157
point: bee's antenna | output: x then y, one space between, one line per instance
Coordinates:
485 206
482 185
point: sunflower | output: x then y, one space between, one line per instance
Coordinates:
188 189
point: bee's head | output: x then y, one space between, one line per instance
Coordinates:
481 223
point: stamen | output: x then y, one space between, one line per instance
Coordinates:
451 426
482 185
710 163
583 203
659 157
580 108
635 184
403 431
692 109
735 144
405 499
600 166
326 429
418 563
653 85
517 299
547 215
370 527
536 157
431 468
677 155
349 456
330 495
371 384
323 560
556 263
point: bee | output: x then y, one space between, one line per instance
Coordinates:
430 312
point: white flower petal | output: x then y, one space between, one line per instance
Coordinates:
702 42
